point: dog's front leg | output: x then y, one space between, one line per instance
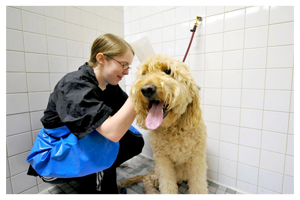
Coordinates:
197 175
166 175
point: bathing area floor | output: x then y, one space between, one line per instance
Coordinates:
138 165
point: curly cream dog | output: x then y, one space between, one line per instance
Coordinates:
167 103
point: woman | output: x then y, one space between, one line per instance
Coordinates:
87 124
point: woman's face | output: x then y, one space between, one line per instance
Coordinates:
113 71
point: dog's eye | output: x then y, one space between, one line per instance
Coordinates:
167 71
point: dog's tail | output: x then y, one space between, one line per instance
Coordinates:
133 180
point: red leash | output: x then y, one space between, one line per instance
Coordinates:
192 30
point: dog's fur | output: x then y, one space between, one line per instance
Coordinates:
179 143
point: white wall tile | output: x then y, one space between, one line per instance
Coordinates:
280 79
212 147
280 14
16 103
234 40
14 40
74 49
8 186
156 36
145 11
38 82
281 57
230 116
197 11
234 20
252 99
182 30
213 79
250 137
289 165
74 32
213 130
156 21
270 180
213 61
214 24
275 121
228 151
212 96
214 43
281 34
182 14
155 9
233 60
212 175
230 8
196 62
290 145
15 61
54 78
19 143
277 100
232 79
35 118
73 15
102 24
257 16
213 163
16 82
181 46
13 18
227 168
255 58
199 78
57 46
288 185
272 161
231 97
23 121
35 9
58 64
74 64
265 191
22 182
38 100
57 12
247 174
212 10
252 189
249 156
56 28
198 45
35 42
291 124
36 62
89 19
229 133
168 48
256 37
225 180
254 79
33 23
18 163
89 35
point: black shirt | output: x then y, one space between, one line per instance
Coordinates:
80 104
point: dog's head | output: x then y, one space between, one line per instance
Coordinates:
164 92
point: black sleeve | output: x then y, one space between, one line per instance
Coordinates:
80 108
116 98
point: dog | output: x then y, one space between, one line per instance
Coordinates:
167 102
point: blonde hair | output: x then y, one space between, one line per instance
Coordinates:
110 45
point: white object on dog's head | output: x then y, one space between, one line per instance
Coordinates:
142 47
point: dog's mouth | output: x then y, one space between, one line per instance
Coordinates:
157 112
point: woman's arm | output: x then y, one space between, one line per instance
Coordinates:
113 128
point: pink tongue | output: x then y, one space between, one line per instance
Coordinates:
155 116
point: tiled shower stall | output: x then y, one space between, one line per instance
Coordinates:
242 57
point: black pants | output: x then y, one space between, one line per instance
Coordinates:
130 146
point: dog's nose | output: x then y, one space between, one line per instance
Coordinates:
148 90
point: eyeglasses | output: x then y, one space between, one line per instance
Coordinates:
125 66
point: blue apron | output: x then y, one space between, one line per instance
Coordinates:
64 156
